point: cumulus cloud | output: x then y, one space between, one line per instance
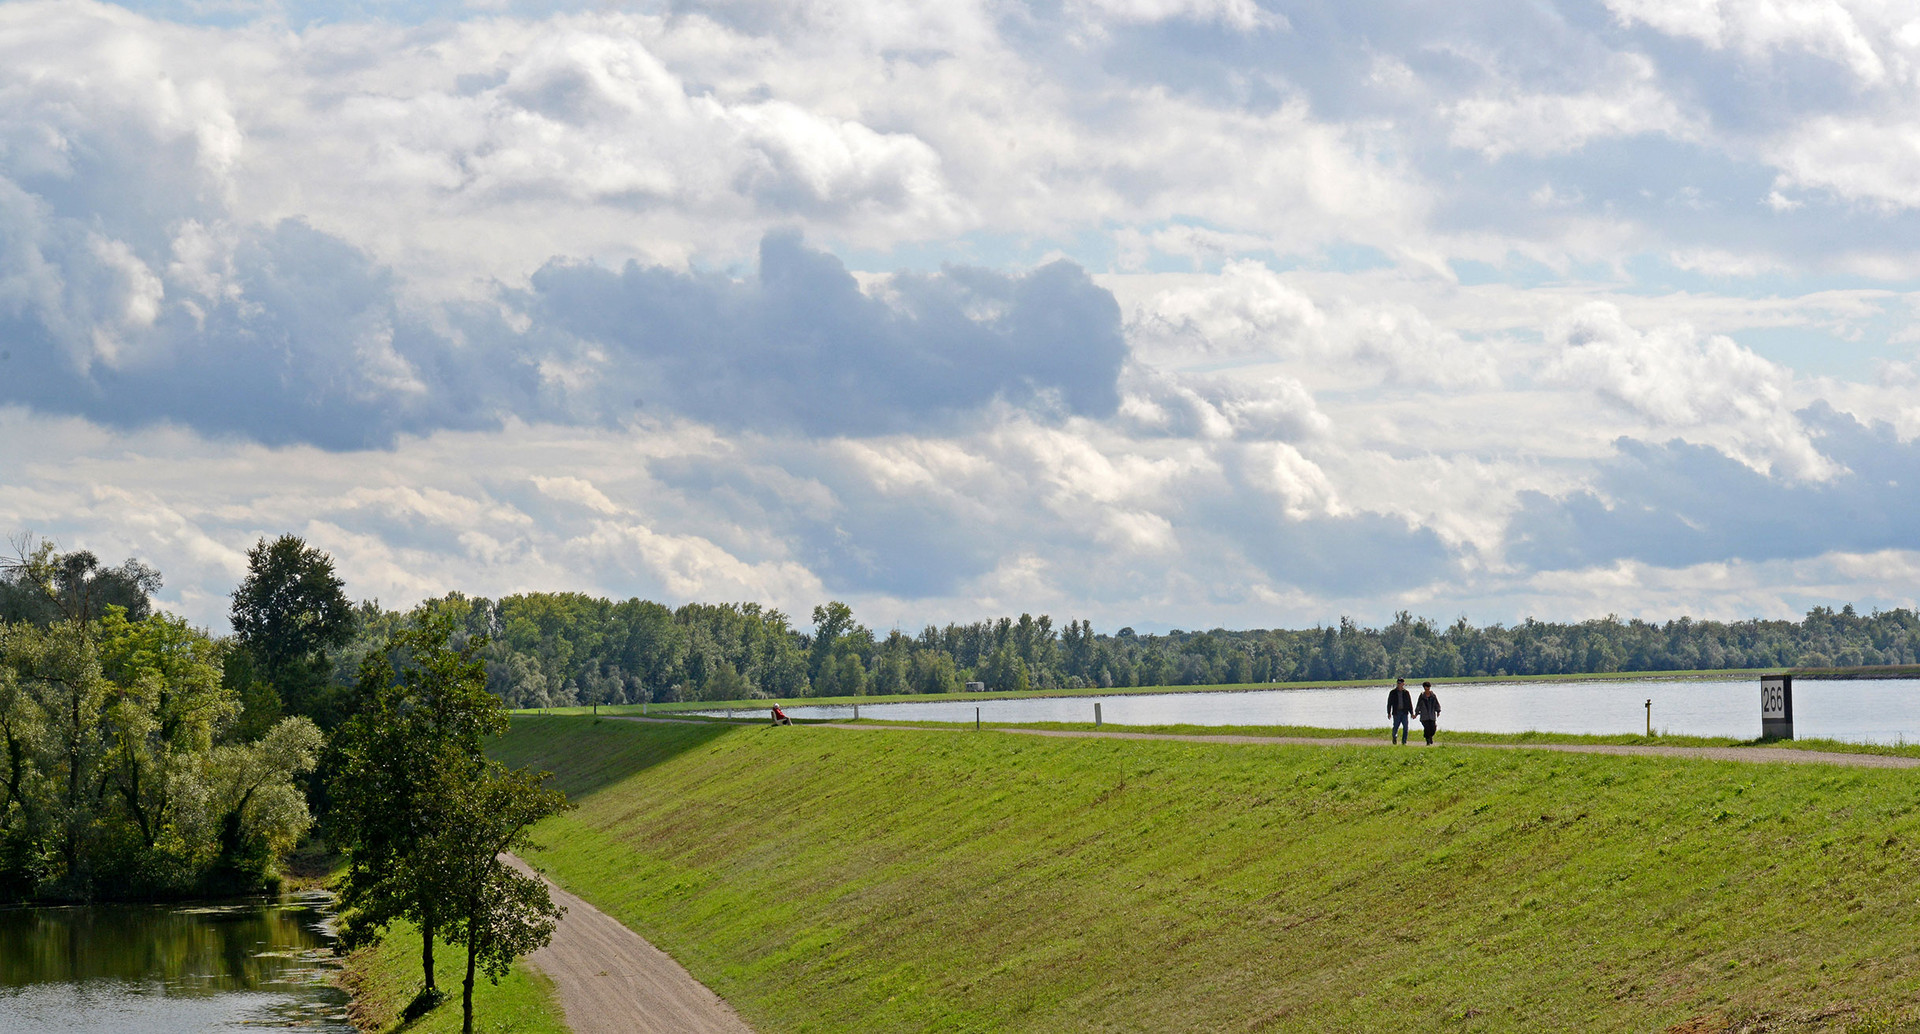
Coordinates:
804 348
1676 505
1708 389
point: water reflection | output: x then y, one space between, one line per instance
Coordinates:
1860 711
253 966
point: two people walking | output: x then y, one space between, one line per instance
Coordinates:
1401 706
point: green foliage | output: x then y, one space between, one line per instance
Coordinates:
41 586
497 913
420 813
915 880
288 611
556 650
114 777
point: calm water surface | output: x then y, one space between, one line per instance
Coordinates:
227 967
1861 711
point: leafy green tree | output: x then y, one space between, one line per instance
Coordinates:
166 704
498 914
831 621
259 811
58 667
40 585
420 704
288 612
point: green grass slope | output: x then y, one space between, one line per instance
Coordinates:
384 978
833 880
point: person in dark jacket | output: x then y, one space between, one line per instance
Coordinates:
1428 710
1399 707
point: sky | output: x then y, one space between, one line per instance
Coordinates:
1161 313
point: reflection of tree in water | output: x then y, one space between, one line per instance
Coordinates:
186 950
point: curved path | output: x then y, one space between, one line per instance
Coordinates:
609 980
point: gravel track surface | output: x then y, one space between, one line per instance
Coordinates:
609 980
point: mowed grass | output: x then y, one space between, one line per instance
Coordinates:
833 880
384 978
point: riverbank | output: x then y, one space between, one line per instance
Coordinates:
825 879
385 978
1814 674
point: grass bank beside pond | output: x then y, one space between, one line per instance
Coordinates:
827 880
385 978
1880 672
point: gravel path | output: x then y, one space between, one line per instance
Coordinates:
611 981
1771 755
1776 755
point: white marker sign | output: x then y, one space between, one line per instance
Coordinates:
1776 707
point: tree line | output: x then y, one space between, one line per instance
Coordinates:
141 757
559 649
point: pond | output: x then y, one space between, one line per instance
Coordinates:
257 965
1856 710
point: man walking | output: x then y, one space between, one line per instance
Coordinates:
1399 706
1429 710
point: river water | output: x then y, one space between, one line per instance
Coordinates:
234 967
1858 710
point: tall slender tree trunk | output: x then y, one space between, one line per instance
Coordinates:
466 992
426 949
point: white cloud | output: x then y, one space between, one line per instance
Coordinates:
1708 390
1829 28
1525 121
1244 15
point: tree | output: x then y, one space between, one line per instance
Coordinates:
420 705
58 667
40 585
165 707
830 622
498 914
287 612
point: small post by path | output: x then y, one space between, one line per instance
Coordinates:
856 712
976 719
596 708
1096 714
643 708
1649 719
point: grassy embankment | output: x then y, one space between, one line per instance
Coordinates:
385 978
1889 671
825 880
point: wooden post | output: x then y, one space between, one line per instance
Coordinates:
1649 719
1096 714
856 712
976 719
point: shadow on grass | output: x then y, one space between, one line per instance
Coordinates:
586 754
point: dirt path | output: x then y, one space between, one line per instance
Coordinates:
1775 755
1766 755
611 981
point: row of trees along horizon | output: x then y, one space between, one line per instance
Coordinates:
143 758
564 648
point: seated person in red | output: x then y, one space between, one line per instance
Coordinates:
780 717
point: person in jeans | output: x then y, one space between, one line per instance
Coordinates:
1428 710
1399 706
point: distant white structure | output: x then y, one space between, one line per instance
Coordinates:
976 687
